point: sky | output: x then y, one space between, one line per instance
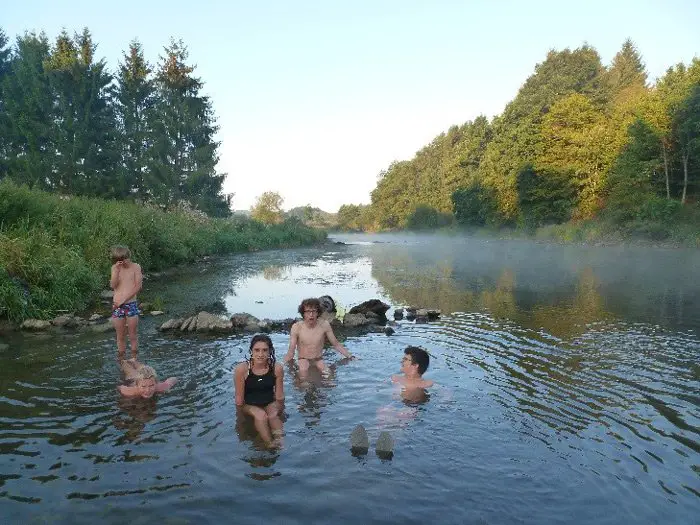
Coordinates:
315 98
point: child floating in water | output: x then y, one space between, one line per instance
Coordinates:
259 386
141 380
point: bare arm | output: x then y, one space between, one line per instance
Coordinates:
114 278
293 339
279 382
131 288
128 391
239 383
166 385
333 341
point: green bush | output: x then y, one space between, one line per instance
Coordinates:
54 250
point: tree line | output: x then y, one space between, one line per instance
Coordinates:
579 141
70 126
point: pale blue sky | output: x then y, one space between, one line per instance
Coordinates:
315 98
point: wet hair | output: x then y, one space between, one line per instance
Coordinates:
265 339
119 253
312 302
418 357
144 372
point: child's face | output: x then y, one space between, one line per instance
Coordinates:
406 363
260 352
147 387
310 313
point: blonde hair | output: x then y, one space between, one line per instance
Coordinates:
119 253
145 372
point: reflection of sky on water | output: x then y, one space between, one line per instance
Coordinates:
276 291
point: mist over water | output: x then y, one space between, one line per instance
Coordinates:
568 380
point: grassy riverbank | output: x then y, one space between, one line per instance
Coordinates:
54 250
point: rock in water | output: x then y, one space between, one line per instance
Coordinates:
385 445
359 440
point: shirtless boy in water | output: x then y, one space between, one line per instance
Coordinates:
309 335
413 365
126 281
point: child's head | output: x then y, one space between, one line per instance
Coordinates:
416 356
145 380
261 348
310 304
119 253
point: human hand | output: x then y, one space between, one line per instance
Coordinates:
287 358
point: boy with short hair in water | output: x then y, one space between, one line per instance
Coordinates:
413 365
309 335
141 380
126 281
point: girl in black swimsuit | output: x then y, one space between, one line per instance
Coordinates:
259 386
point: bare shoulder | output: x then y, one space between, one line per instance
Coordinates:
240 368
279 369
296 326
427 383
396 378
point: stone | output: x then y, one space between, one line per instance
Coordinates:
206 322
157 312
35 324
4 347
187 323
171 324
65 321
240 321
373 305
354 320
398 314
95 317
107 295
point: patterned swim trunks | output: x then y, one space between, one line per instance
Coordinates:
126 310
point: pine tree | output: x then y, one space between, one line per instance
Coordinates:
134 102
627 70
29 107
4 119
185 152
84 127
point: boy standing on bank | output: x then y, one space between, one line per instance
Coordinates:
309 335
126 281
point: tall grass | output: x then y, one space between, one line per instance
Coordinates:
54 250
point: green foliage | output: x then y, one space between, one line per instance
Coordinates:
65 126
579 141
54 250
474 205
355 218
268 208
544 197
427 218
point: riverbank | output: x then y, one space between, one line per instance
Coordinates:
54 249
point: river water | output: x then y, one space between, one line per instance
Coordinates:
567 391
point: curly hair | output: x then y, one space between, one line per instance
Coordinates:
311 302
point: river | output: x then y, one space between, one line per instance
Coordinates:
567 391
